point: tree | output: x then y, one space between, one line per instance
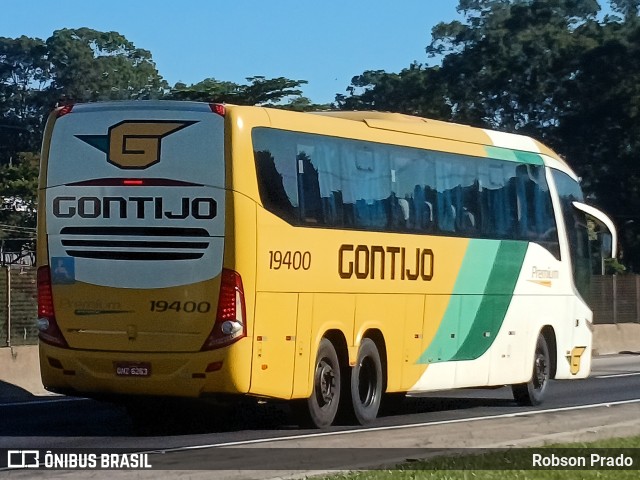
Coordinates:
88 65
417 90
24 79
628 8
505 66
500 67
259 91
18 192
599 129
304 104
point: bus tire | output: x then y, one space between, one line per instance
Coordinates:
532 393
366 383
320 409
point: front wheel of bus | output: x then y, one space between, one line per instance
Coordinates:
320 409
366 383
532 393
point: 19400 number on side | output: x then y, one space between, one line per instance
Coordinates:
289 260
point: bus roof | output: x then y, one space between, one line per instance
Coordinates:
399 122
394 122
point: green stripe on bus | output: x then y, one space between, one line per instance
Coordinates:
466 299
495 302
529 157
500 153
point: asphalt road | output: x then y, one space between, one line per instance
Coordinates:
189 434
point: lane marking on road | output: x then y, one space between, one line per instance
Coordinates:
615 375
395 427
44 401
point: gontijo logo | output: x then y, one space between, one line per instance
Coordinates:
135 144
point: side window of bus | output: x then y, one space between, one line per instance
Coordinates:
276 172
412 179
311 211
575 223
535 210
332 166
497 199
317 180
345 184
371 182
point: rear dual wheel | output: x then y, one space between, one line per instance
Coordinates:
321 408
330 387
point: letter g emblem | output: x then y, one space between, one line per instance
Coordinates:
135 144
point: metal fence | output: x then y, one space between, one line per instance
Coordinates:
17 252
615 299
18 305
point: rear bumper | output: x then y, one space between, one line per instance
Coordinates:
93 373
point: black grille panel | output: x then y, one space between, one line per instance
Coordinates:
151 243
137 231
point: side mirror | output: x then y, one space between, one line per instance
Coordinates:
609 240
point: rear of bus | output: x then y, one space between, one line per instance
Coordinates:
133 294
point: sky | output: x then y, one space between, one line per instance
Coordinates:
326 42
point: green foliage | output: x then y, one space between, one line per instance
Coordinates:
259 91
208 90
504 68
628 8
415 91
270 91
304 104
614 267
88 65
24 80
599 129
18 190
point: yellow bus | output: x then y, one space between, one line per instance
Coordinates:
330 259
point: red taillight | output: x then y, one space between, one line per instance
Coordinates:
218 108
61 112
45 297
230 325
49 332
132 182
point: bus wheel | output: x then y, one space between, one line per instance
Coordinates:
366 383
532 392
320 409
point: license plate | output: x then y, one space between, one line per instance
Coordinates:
133 369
